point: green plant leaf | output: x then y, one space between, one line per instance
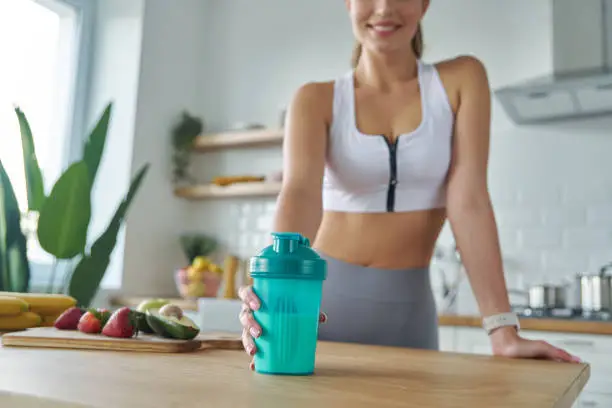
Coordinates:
10 222
19 266
34 179
94 146
14 266
6 215
65 215
90 270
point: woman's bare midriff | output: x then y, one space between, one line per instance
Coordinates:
382 240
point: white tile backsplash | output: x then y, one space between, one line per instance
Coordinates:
517 216
588 193
264 223
563 217
597 237
599 258
599 215
540 237
244 225
539 195
565 261
509 238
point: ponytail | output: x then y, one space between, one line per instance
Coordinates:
417 42
417 47
356 54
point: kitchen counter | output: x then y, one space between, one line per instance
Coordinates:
347 375
540 324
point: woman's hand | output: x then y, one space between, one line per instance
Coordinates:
250 327
506 342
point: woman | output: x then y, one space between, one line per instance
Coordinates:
374 163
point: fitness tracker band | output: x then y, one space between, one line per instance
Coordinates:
490 323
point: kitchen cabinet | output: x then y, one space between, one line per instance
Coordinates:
447 338
593 349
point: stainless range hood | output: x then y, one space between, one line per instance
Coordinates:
580 85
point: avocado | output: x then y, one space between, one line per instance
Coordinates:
157 325
141 322
172 327
154 303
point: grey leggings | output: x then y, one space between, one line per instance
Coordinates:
378 306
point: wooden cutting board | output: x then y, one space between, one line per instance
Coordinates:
225 341
50 337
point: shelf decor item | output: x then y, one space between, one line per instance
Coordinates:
212 191
184 133
200 277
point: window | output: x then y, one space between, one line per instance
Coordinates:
43 71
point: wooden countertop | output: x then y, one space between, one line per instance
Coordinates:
347 375
8 399
538 324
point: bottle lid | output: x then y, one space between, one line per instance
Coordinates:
290 257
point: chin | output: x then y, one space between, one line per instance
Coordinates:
388 50
390 45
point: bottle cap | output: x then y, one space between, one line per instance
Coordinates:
291 257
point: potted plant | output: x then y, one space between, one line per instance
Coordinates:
183 133
64 215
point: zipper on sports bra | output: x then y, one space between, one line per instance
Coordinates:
393 173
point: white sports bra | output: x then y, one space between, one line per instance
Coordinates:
367 173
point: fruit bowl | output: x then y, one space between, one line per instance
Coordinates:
200 279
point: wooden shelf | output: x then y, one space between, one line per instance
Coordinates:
255 189
246 138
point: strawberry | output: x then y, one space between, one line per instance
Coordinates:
103 315
122 323
69 320
89 323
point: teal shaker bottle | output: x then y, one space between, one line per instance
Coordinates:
288 279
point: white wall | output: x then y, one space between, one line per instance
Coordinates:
170 80
115 73
149 61
551 186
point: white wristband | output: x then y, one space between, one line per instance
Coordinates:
493 322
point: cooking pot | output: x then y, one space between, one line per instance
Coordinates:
594 292
544 296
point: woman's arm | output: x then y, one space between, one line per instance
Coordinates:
469 206
299 207
471 214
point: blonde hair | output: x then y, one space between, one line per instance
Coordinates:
417 47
